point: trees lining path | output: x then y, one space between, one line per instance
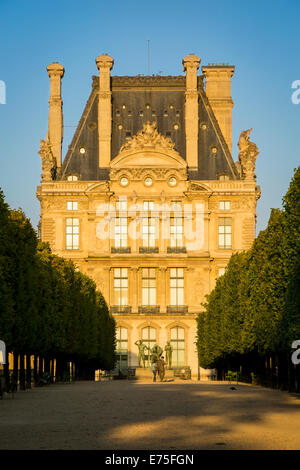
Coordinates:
143 415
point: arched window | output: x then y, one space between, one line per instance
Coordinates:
149 339
178 344
122 346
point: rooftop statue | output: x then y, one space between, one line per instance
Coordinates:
247 155
48 160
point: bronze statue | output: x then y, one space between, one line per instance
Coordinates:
142 347
161 368
156 352
169 351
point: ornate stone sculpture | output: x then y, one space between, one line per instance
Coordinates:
247 155
141 356
48 160
148 137
169 351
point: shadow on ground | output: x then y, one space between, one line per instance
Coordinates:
131 415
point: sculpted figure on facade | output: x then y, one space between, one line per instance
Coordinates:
247 155
148 137
48 160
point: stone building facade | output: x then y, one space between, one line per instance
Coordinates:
148 200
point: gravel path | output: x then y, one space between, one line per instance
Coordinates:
143 415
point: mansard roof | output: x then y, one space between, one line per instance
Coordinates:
140 99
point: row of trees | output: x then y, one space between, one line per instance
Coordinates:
48 309
252 316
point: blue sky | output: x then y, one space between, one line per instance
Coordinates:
261 38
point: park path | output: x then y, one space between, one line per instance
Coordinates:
142 415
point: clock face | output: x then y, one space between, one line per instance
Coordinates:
148 181
82 151
172 181
124 181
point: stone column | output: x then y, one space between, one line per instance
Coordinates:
55 121
218 92
104 65
191 64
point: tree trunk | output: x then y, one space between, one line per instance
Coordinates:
35 368
41 369
28 371
22 372
16 369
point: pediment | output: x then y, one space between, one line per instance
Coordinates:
199 187
148 148
102 186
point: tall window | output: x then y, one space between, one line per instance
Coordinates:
148 225
121 224
176 228
72 233
121 286
122 346
225 231
148 286
176 286
149 339
178 344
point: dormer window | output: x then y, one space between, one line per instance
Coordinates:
72 178
224 178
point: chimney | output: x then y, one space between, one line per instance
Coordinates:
55 121
190 65
104 65
218 92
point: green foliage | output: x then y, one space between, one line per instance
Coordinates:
47 307
255 306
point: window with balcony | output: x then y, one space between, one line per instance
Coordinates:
176 229
149 291
148 229
176 287
225 232
120 287
120 228
72 233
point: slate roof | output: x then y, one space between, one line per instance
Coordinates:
136 100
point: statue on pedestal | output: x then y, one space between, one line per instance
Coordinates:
169 351
141 356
